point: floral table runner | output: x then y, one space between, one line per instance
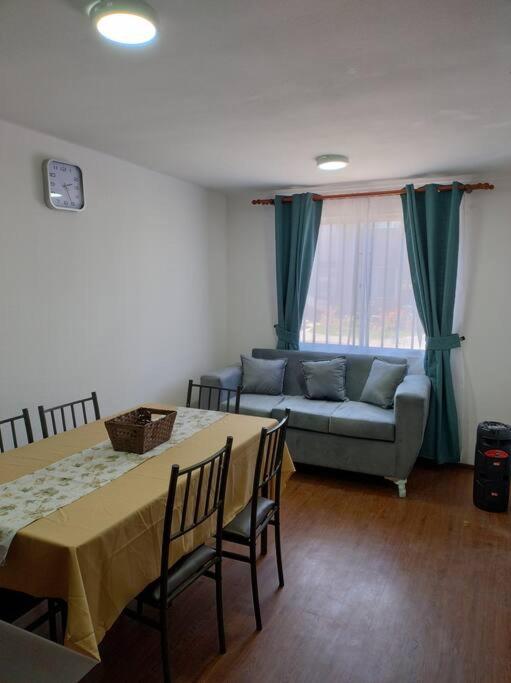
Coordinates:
44 491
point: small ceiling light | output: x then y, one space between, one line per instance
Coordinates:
332 162
130 22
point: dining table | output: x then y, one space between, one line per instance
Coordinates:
99 551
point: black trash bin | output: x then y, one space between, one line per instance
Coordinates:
492 465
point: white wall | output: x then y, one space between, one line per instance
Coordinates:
127 298
482 368
252 301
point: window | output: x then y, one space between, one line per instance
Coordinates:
360 292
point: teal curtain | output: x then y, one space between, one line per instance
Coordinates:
431 221
296 236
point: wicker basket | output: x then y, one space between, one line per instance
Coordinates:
137 432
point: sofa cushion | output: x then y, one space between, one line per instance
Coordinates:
358 366
261 376
259 405
364 421
294 381
306 414
325 379
382 383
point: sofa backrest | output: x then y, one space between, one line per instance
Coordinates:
358 366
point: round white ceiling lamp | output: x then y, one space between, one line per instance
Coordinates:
129 23
332 162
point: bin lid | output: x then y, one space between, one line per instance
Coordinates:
494 430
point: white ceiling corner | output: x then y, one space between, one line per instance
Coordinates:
236 95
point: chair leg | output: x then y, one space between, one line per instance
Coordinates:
220 608
264 541
63 620
278 549
255 590
164 640
52 620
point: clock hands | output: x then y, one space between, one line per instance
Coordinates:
65 186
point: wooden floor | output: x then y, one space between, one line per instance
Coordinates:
378 589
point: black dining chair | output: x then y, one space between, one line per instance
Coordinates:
11 438
13 604
262 509
201 494
209 397
76 412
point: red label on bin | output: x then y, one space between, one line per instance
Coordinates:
496 453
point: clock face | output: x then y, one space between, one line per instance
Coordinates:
64 186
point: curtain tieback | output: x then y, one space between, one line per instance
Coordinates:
286 335
450 341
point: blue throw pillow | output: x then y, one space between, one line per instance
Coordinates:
325 379
261 376
382 382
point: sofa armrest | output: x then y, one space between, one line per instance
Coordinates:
411 406
226 378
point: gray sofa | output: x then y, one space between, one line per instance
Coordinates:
350 435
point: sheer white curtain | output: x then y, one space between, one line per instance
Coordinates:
360 293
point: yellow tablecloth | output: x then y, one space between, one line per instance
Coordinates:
99 552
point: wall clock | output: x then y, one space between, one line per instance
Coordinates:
63 185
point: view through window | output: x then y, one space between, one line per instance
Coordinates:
360 292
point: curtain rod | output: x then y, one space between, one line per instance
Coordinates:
381 193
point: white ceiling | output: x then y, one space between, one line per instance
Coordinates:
241 93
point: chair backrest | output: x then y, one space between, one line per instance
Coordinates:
269 463
204 494
214 398
11 439
57 415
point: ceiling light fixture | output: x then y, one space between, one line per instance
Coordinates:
129 23
332 162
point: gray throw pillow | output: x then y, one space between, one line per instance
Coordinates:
382 382
325 379
261 376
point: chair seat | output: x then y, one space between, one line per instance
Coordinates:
25 656
240 525
200 559
14 605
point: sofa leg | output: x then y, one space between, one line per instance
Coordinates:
401 485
